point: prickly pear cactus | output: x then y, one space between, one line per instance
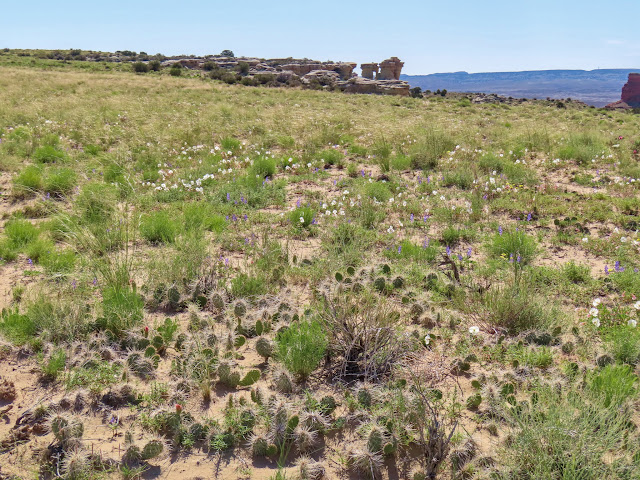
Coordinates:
152 449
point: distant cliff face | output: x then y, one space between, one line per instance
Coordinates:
595 87
631 91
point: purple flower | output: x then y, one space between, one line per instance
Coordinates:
226 262
511 258
74 284
425 218
419 180
448 251
429 179
95 281
460 257
399 249
411 218
518 258
529 217
484 197
425 243
469 253
362 172
500 230
228 197
30 262
298 203
606 270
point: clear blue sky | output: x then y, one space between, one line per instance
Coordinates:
430 36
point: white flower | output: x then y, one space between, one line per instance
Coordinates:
596 321
390 229
593 312
632 323
596 302
474 329
637 305
301 219
427 339
585 239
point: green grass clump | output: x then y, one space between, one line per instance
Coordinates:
58 262
49 154
431 146
582 148
122 309
417 253
302 217
59 182
16 328
614 384
330 157
623 343
245 285
301 347
158 227
96 202
29 181
201 216
513 245
263 167
377 191
20 233
516 309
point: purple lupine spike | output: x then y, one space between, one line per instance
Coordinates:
606 269
500 229
529 217
469 253
411 217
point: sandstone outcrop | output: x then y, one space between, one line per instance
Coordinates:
630 97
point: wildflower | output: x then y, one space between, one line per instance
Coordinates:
469 253
529 217
427 339
585 239
632 323
596 322
474 329
596 302
606 270
448 251
593 312
637 305
178 408
301 219
500 230
399 249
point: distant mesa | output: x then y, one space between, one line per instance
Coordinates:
630 97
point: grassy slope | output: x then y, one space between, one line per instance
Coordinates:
110 238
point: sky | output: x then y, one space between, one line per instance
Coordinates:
429 36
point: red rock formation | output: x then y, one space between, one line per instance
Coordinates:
631 90
630 94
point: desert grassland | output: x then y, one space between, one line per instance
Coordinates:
212 281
